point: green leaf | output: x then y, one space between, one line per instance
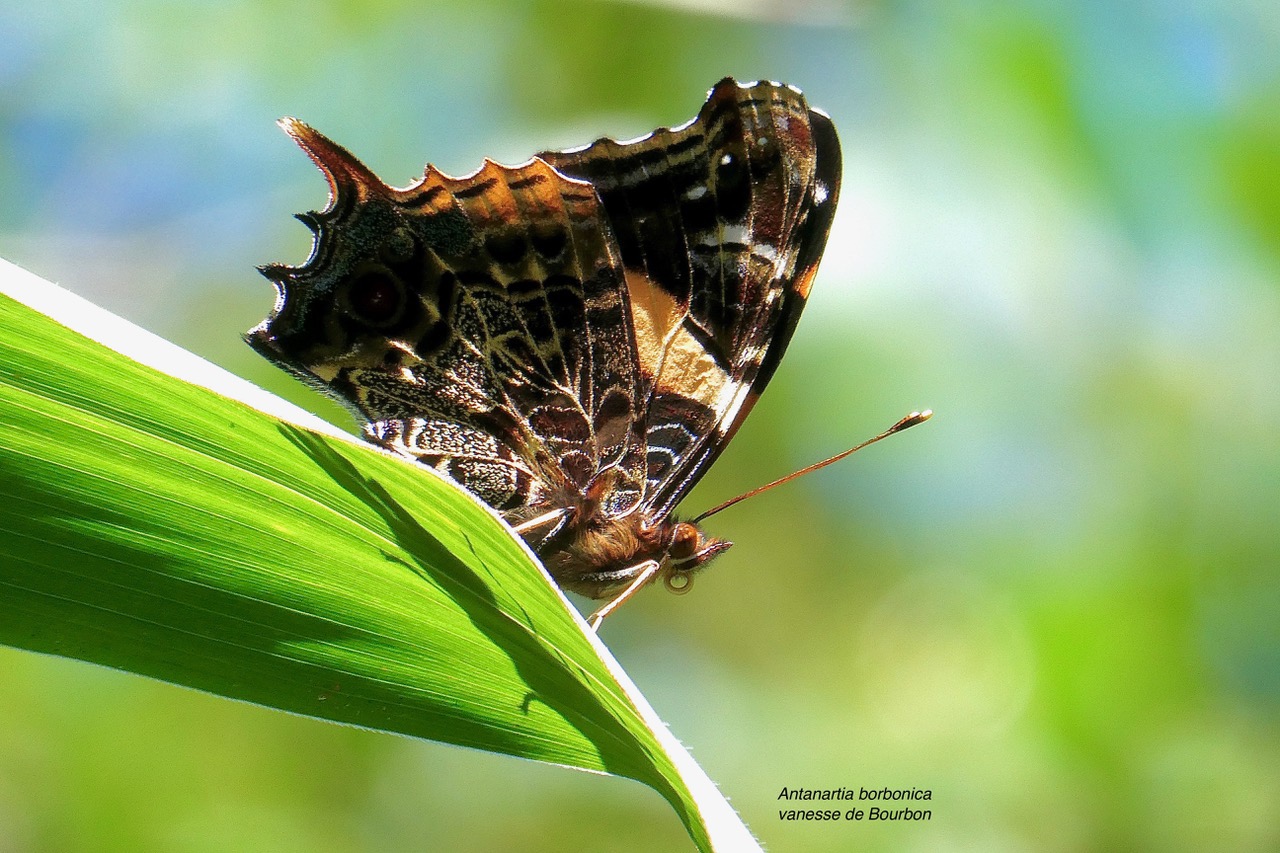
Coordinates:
243 547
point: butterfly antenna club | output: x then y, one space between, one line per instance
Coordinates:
906 423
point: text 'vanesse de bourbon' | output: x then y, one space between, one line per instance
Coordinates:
839 797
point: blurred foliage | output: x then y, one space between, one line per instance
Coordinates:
1055 605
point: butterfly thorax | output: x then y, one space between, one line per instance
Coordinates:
596 555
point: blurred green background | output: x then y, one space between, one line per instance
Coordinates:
1057 606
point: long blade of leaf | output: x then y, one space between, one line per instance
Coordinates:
230 542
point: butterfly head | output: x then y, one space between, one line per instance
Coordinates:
688 550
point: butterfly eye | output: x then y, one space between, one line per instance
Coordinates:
376 298
684 543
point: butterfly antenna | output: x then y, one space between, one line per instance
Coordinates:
906 423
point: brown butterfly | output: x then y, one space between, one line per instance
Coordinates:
575 339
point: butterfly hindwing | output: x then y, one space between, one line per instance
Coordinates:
505 360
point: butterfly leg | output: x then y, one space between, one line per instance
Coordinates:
543 520
645 572
548 524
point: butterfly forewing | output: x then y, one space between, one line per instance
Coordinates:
720 225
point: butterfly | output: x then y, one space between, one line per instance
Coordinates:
577 338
